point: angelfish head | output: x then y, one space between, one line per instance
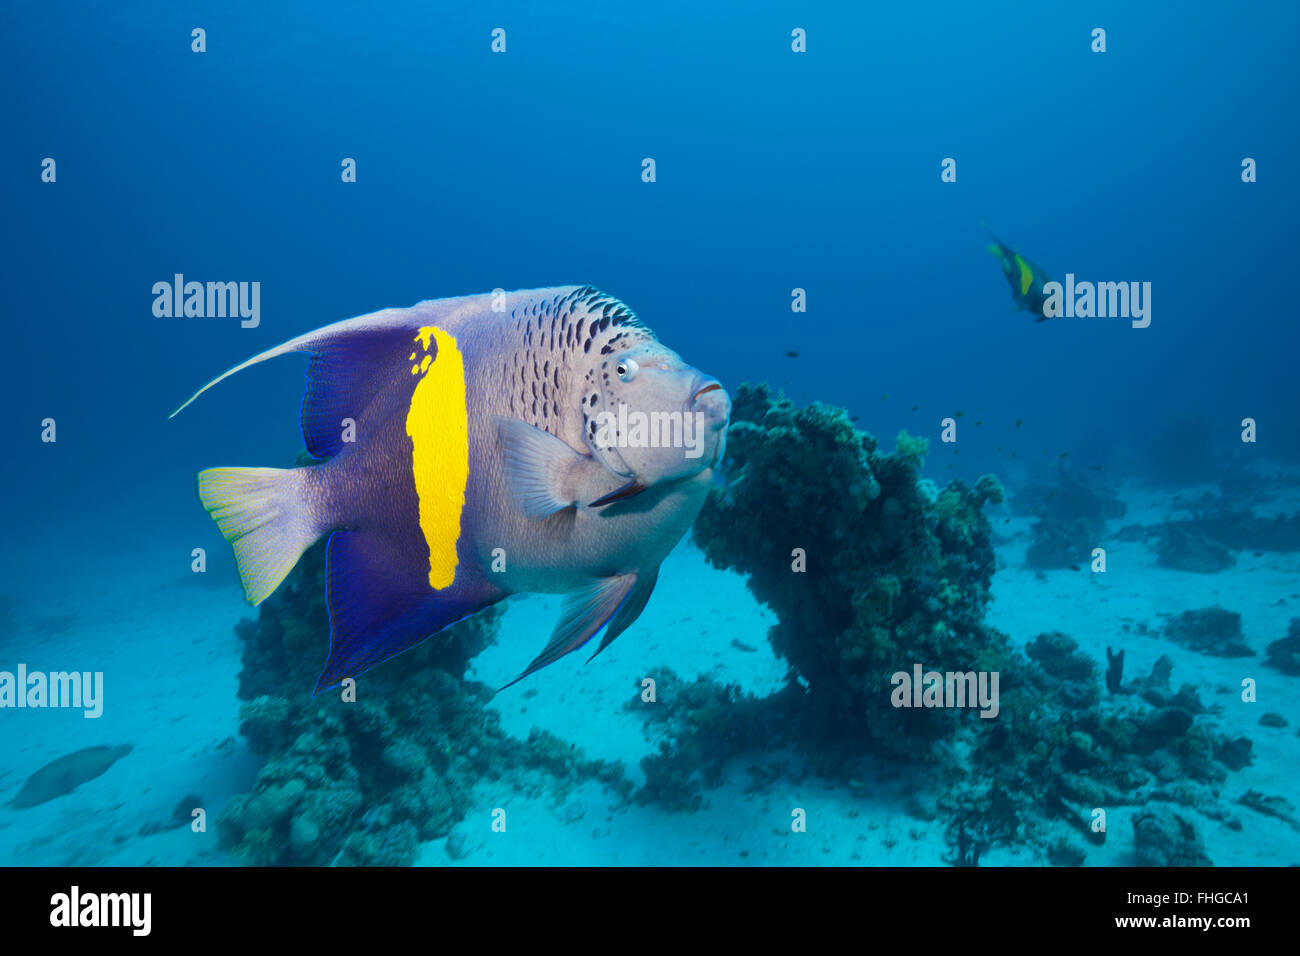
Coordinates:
652 418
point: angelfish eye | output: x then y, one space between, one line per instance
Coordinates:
626 370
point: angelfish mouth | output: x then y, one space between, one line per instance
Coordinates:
712 386
712 404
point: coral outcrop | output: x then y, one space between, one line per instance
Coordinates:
1208 541
1162 837
1211 630
1183 549
868 569
702 724
871 570
1072 517
1284 653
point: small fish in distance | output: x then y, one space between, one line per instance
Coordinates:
1025 278
66 774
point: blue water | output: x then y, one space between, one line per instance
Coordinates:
775 171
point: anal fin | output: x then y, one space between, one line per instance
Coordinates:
377 611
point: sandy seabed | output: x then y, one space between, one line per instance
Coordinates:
165 642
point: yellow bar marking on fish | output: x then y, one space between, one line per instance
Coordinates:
1026 274
1003 260
438 425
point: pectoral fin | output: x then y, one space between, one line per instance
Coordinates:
537 467
586 611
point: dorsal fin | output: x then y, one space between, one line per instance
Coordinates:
350 362
343 377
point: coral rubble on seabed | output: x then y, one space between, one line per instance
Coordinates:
1211 630
1209 541
1284 653
1071 519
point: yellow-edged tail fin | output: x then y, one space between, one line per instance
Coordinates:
262 513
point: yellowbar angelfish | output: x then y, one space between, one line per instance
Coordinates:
1025 278
473 448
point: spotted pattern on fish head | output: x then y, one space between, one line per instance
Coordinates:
553 376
